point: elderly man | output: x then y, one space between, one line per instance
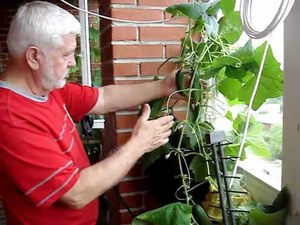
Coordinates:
45 175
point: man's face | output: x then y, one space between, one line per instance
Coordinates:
58 62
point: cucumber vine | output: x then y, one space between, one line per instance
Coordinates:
208 53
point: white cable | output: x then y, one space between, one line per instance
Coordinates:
249 112
245 10
114 19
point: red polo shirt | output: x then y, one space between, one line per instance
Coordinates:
41 154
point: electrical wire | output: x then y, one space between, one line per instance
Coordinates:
114 19
245 10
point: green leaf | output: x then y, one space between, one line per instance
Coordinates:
156 106
271 83
231 27
258 146
95 54
193 10
190 132
211 25
233 150
227 6
238 62
245 54
230 88
94 35
229 115
176 213
225 61
151 157
199 168
240 122
97 79
257 217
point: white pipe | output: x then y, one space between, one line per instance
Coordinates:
84 44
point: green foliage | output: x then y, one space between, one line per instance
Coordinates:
176 213
273 137
233 71
75 71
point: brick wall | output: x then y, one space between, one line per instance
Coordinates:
131 53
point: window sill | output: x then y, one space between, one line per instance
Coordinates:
263 178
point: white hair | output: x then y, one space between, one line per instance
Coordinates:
41 24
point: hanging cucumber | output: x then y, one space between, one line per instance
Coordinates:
180 83
196 94
200 215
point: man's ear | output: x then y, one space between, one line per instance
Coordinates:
32 57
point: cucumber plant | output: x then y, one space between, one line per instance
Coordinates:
231 71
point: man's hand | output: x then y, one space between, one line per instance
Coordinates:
151 134
169 82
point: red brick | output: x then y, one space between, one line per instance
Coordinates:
150 68
150 201
126 121
165 33
124 34
126 218
137 14
133 186
123 138
125 69
173 50
133 201
137 51
180 115
160 3
132 2
135 171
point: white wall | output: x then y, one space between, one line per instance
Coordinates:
291 112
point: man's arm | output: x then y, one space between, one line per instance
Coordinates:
115 97
95 180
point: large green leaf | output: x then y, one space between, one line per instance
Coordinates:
227 6
231 27
233 150
151 157
199 168
258 146
211 25
94 35
193 10
271 83
230 88
258 217
245 54
237 63
176 213
156 106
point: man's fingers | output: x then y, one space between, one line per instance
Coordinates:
146 113
165 120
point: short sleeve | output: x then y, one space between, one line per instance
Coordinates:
79 99
35 164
